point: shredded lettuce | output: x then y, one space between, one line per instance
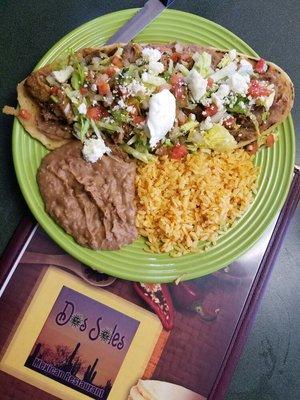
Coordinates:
72 94
55 99
109 126
129 73
168 143
182 69
78 75
81 128
196 137
203 63
219 138
189 126
225 61
224 72
121 116
132 140
95 128
265 115
153 80
254 121
76 81
171 67
240 106
145 156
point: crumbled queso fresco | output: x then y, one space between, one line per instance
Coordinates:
146 99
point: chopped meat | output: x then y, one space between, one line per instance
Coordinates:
37 86
63 107
93 202
52 126
131 53
245 129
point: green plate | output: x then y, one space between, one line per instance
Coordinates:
132 262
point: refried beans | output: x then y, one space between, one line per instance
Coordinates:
93 202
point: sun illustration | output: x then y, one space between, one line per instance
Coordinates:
76 320
105 334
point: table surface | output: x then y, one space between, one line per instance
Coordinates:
268 369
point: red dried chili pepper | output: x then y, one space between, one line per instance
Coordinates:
158 297
188 296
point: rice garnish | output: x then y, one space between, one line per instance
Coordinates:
183 206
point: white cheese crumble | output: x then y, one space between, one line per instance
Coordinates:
219 116
178 47
206 124
197 84
134 88
224 72
82 109
156 67
232 54
121 103
151 54
217 101
222 91
64 74
239 83
94 149
161 117
245 67
94 87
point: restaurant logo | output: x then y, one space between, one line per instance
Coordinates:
82 344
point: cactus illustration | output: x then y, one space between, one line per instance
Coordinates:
93 376
90 373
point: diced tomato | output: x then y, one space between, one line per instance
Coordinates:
257 89
54 90
103 87
24 114
182 118
178 87
138 119
178 151
84 91
210 111
252 148
229 122
270 140
210 82
176 57
111 71
97 112
185 57
261 66
176 79
117 62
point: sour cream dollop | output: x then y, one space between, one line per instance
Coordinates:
161 117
